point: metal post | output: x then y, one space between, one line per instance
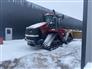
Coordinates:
87 34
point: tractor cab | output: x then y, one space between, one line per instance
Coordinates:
51 20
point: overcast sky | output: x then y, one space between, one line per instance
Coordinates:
72 8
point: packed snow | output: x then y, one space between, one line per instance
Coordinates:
14 49
16 54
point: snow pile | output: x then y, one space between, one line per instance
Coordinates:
9 64
66 57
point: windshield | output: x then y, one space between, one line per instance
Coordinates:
49 18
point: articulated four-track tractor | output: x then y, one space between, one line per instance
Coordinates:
48 35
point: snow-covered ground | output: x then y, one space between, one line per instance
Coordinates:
14 49
66 57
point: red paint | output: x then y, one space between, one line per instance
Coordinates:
61 32
44 29
1 40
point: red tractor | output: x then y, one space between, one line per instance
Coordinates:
48 35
